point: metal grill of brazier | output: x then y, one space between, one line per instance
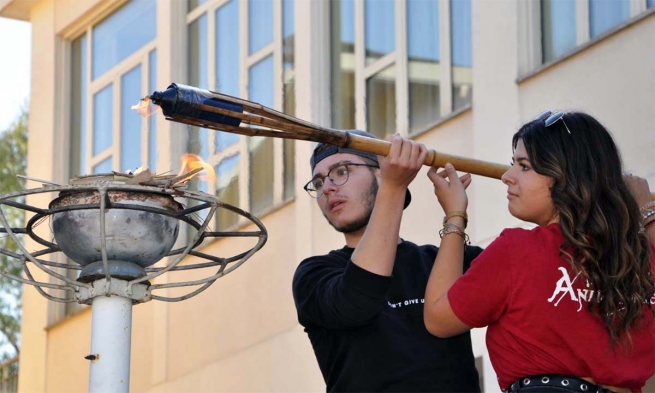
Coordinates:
115 232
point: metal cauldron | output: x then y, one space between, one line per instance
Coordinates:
134 236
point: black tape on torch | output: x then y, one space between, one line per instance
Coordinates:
180 100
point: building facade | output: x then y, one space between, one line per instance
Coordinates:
458 75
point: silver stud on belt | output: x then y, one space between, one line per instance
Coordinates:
565 382
583 387
526 381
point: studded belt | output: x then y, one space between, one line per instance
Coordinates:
554 383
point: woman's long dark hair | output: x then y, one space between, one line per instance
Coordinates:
598 216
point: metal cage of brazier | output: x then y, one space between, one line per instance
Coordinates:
115 233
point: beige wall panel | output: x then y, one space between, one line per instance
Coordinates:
495 108
246 307
70 340
68 343
69 11
141 358
39 165
613 81
282 364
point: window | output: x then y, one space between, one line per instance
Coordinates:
558 27
462 53
249 173
109 62
566 24
399 66
342 43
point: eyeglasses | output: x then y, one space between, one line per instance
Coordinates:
337 175
551 118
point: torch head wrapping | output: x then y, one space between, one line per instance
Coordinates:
184 101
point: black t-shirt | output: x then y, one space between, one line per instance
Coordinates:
367 330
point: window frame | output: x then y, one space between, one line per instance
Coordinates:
58 312
399 58
531 32
246 61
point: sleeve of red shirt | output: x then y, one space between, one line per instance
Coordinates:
481 295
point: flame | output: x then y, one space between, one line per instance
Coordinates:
144 108
191 162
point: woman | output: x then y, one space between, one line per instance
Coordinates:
568 304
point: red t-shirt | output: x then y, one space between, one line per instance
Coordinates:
538 316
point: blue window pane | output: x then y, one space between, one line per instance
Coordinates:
226 171
288 59
203 135
558 28
152 120
104 166
224 140
650 3
347 22
288 24
460 22
103 121
462 54
380 28
227 48
260 24
260 89
342 86
227 189
423 50
130 120
260 82
198 53
122 34
198 77
423 29
605 14
78 106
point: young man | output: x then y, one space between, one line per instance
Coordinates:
362 305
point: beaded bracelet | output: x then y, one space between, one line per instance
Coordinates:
457 213
452 228
647 206
648 213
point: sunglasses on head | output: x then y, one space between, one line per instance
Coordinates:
551 118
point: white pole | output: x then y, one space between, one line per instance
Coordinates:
111 333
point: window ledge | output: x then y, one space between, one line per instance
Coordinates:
445 119
580 48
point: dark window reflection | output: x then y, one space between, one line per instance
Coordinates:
423 63
342 53
381 102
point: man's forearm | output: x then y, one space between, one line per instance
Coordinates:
376 250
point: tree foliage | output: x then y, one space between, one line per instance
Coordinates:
13 161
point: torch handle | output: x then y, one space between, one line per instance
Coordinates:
435 158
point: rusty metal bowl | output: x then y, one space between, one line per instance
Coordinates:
132 235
